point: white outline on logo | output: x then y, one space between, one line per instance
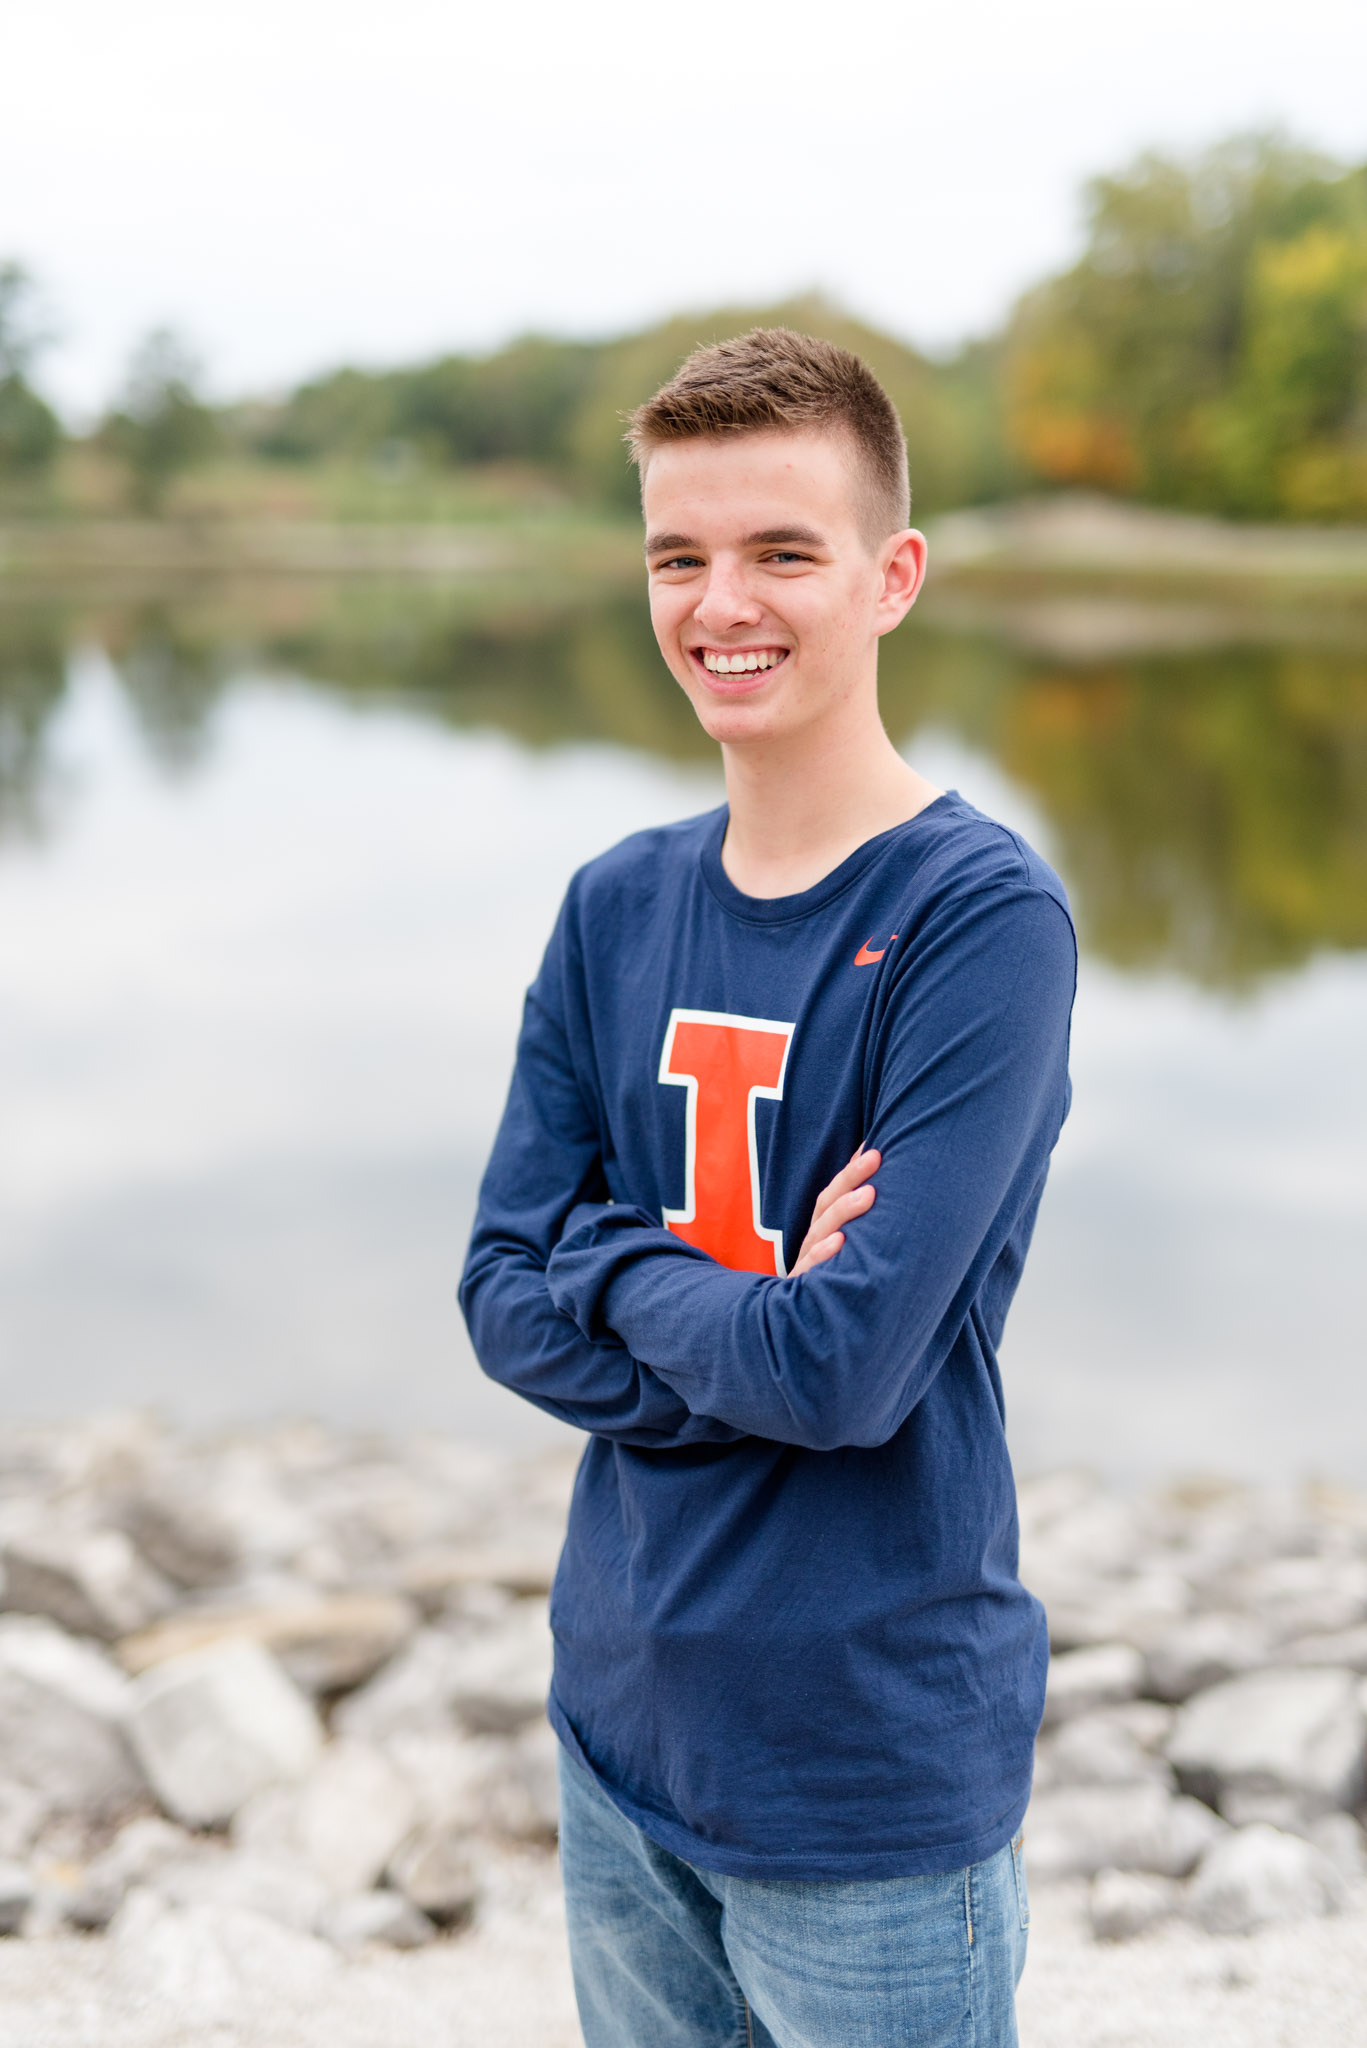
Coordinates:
690 1082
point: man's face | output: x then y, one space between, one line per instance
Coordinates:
767 600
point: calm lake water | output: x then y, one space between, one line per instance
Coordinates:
276 864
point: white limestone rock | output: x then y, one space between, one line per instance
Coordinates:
344 1820
139 1850
326 1643
504 1672
1149 1721
489 1676
61 1732
1281 1745
1203 1650
1079 1830
1101 1749
213 1727
17 1893
279 1888
1138 1609
448 1773
505 1787
1082 1680
1258 1874
1092 1559
200 1962
1340 1837
260 1503
80 1672
386 1917
178 1530
432 1577
522 1802
411 1696
1124 1903
91 1581
1347 1648
1070 1526
1301 1596
23 1809
436 1872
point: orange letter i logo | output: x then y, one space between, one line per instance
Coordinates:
726 1063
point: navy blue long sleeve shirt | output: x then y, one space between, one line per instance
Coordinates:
790 1640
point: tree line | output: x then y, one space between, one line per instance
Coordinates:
1208 350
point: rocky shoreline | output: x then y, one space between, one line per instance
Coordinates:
272 1703
1205 1728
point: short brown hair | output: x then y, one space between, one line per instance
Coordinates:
772 380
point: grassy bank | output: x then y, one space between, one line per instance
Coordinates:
345 518
1084 538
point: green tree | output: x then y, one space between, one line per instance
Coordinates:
515 406
1291 437
161 427
1212 337
29 429
348 412
558 405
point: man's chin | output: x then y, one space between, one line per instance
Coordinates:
733 725
732 722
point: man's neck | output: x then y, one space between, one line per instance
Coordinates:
802 805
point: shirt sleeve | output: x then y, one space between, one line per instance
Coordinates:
971 1091
546 1159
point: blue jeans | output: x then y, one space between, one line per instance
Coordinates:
669 1956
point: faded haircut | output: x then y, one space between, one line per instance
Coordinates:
773 380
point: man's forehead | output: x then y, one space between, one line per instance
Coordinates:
751 490
793 456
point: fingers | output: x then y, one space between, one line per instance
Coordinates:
850 1179
862 1166
845 1208
817 1254
848 1195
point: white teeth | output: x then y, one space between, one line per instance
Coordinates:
741 664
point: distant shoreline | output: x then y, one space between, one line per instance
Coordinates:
43 552
1068 540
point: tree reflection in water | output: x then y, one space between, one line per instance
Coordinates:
1208 804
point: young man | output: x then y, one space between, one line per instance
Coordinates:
786 1091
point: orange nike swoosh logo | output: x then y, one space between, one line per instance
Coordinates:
865 957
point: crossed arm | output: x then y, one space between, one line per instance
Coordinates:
524 1340
595 1313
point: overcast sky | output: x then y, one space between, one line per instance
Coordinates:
294 183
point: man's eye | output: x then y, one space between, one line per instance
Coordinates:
680 562
788 555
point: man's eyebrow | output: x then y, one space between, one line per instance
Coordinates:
767 537
785 536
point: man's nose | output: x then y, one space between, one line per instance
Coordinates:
727 602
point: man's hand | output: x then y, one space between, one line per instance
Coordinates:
848 1196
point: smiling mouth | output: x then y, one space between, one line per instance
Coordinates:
739 661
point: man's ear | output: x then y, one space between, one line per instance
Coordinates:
904 571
